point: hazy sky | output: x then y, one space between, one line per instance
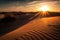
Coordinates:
28 5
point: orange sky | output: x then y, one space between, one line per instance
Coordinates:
33 6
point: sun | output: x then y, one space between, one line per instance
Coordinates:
43 8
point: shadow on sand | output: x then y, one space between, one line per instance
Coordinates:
9 24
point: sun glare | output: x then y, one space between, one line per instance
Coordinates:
43 9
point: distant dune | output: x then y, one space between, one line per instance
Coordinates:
17 14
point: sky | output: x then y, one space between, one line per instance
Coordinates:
28 5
